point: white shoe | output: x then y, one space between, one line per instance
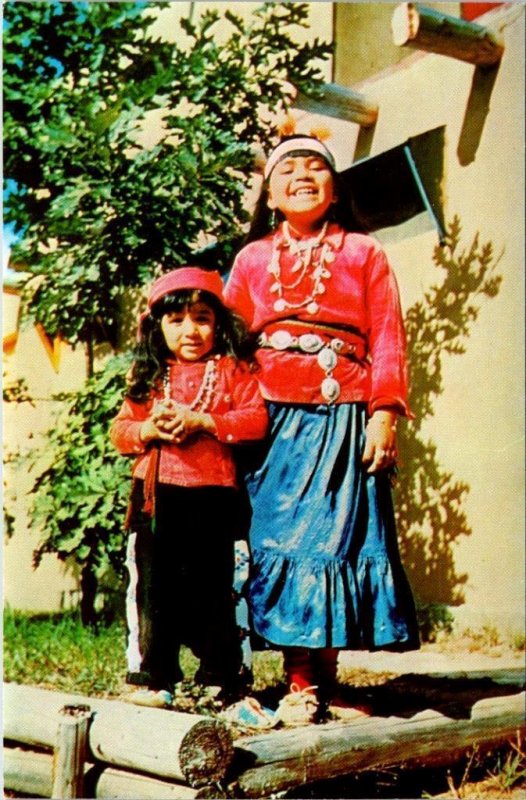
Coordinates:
153 698
299 707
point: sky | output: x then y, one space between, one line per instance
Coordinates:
7 238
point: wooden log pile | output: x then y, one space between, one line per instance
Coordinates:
136 752
192 751
273 762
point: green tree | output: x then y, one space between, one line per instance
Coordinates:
79 499
98 211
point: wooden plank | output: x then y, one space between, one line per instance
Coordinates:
342 103
427 29
183 747
282 759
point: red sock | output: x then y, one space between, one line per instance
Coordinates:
298 667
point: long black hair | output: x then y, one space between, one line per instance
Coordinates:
231 337
343 210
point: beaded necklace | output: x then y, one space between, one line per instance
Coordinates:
306 261
207 389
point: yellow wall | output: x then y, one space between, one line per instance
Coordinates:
45 371
479 421
364 44
478 426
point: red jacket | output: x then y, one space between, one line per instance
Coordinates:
238 411
361 293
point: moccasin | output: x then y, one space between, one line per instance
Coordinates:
299 707
152 698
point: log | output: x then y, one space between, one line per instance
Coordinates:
29 772
183 747
341 102
282 759
69 756
119 785
424 28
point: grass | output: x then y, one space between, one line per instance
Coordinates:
55 651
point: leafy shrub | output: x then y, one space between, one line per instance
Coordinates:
79 499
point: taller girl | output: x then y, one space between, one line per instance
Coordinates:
326 568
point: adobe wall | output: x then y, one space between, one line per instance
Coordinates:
478 426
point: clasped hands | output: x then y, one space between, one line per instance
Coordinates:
171 422
380 450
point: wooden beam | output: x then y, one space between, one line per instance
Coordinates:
184 747
282 759
424 28
342 103
69 756
29 772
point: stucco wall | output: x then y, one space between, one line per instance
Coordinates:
362 32
479 422
51 586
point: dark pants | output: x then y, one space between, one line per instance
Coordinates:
180 588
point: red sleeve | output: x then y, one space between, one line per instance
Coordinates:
247 419
387 339
124 430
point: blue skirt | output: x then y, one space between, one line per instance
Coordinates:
326 570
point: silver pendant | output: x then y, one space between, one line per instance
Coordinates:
327 359
330 389
310 342
280 340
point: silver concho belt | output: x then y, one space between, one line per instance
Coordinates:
327 355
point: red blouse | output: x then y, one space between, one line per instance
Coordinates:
361 293
239 414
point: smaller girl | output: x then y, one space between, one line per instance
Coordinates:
190 397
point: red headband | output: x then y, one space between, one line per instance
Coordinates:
186 278
182 278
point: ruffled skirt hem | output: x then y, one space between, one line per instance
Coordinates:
364 607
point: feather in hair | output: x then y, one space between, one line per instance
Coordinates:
287 126
321 133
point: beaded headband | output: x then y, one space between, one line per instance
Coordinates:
307 144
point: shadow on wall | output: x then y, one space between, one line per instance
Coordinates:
429 499
477 110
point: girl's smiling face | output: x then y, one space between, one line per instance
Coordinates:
189 333
302 188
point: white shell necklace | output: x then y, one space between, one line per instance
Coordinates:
205 393
305 252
